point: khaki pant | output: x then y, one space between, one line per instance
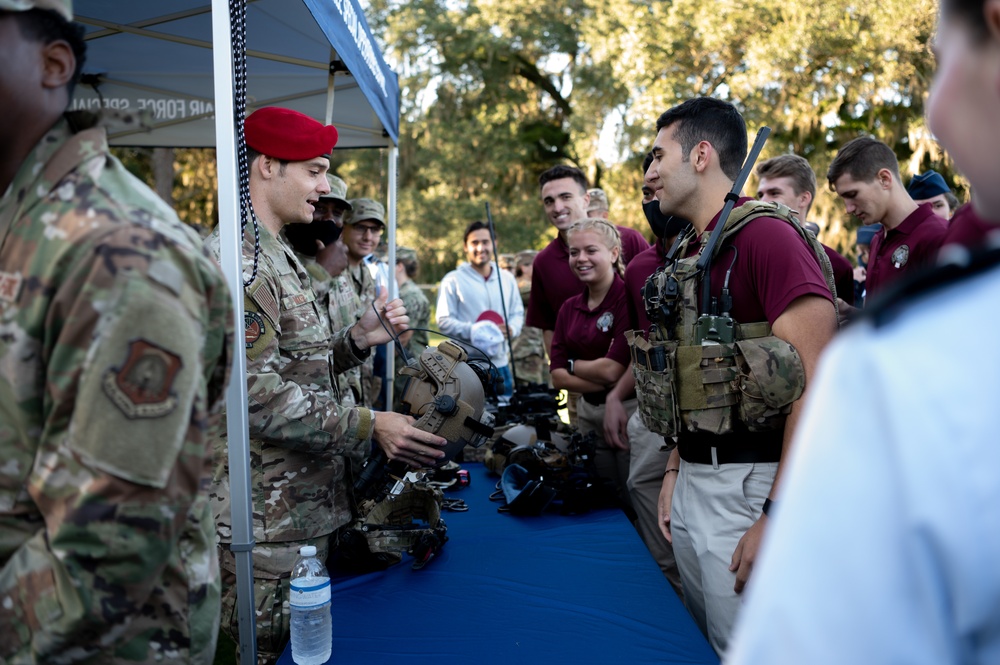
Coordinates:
712 507
612 463
272 567
647 461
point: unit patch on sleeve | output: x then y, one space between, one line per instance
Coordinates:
141 386
257 329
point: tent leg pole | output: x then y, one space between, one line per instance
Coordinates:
232 267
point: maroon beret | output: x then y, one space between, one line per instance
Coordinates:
288 135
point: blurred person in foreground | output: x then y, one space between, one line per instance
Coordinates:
116 334
885 539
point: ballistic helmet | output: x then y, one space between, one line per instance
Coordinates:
448 398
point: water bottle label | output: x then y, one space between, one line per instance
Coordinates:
310 592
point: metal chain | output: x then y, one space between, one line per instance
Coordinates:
238 16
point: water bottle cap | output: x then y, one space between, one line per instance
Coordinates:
308 550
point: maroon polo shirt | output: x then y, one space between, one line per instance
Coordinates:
967 228
636 274
843 275
905 249
584 334
553 282
773 267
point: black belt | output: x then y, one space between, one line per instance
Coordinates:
597 398
742 448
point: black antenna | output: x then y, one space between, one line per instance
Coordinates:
731 198
503 302
393 335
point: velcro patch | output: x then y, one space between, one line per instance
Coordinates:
263 301
257 329
142 386
10 286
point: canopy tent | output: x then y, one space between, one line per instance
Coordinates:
157 56
173 59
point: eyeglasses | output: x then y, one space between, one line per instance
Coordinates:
367 229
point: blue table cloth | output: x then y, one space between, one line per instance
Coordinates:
506 589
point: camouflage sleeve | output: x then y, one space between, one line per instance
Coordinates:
135 359
291 403
344 357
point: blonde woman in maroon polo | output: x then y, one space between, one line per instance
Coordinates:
587 323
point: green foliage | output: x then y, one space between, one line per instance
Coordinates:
494 92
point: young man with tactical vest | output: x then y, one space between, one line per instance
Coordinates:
695 376
299 430
898 563
865 175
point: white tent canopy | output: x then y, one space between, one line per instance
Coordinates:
173 59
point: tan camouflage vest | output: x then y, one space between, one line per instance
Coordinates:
708 373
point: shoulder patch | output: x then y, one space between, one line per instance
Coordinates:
258 331
264 301
142 386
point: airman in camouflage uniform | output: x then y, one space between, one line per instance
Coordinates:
362 239
115 334
419 310
327 266
299 430
529 346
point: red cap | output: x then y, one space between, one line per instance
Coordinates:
288 135
490 315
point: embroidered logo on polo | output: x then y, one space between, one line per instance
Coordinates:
900 256
605 322
253 328
141 387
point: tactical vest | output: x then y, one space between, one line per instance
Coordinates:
700 373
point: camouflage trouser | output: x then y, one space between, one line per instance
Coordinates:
571 407
272 568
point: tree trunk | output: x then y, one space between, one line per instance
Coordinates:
163 173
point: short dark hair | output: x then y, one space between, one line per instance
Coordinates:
862 158
646 161
47 26
563 171
970 12
475 226
254 154
712 120
952 200
790 166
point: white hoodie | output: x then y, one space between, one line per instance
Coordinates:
463 295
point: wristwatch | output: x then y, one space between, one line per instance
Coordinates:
570 366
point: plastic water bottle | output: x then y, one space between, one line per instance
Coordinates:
312 626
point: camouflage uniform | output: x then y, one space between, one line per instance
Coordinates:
529 350
115 329
418 308
363 284
343 306
299 434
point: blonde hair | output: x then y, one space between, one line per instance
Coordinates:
606 230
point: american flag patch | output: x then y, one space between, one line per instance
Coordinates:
264 299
